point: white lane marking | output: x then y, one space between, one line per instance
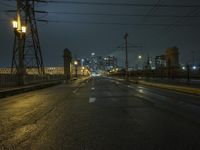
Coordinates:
92 88
92 100
76 90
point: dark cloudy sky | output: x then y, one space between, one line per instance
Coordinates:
84 34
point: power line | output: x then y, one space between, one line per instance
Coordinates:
152 10
187 18
114 4
121 24
6 5
122 4
120 15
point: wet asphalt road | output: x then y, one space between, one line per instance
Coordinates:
102 114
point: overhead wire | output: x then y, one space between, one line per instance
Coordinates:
155 7
120 4
121 24
152 10
6 4
114 4
186 18
117 14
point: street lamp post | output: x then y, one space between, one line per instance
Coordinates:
20 32
83 71
76 68
188 72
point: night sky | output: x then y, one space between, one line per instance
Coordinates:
102 34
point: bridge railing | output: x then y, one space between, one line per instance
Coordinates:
160 73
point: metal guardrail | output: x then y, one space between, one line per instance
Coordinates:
162 74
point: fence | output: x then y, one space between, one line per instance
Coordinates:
161 73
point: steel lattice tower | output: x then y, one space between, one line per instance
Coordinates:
26 50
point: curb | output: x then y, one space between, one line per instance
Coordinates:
11 92
176 88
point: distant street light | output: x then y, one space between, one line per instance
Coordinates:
194 67
83 70
76 67
183 68
82 62
75 63
140 62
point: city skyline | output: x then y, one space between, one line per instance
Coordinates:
83 29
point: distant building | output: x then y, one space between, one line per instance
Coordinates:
100 63
148 63
172 57
160 61
93 62
110 62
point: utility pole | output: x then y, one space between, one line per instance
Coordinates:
126 56
26 49
188 72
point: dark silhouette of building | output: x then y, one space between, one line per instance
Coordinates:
160 61
110 62
172 57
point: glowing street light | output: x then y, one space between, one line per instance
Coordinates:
15 24
75 62
183 68
194 67
23 29
139 57
76 67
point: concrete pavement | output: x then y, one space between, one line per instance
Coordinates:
101 114
174 86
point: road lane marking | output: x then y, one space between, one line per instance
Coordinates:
92 88
76 90
92 100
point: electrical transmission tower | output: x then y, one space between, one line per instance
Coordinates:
26 50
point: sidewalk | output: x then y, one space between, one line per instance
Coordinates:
5 92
